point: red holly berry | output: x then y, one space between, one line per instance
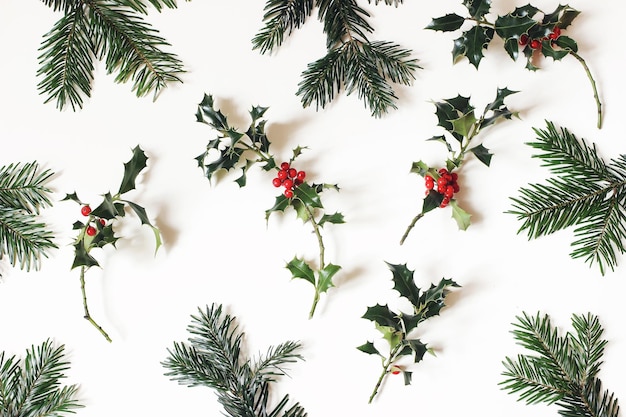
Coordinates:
85 210
535 44
91 231
297 182
444 202
556 32
284 166
301 175
288 193
455 187
282 174
523 40
395 370
277 182
443 171
449 191
292 172
455 176
288 184
102 222
430 183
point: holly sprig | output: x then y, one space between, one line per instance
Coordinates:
462 127
586 193
526 31
236 150
562 369
32 386
352 61
97 231
213 357
398 327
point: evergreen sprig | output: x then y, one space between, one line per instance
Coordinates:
213 358
97 231
563 370
526 31
235 150
23 192
398 327
585 193
32 387
352 62
113 31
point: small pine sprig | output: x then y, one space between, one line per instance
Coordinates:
97 231
397 327
213 358
562 369
237 150
352 61
585 193
460 121
32 386
23 193
526 31
116 33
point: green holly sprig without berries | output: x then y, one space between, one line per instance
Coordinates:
585 192
462 125
32 386
24 239
396 327
97 230
352 61
237 150
526 31
563 369
213 357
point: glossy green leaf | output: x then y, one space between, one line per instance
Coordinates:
369 348
464 125
82 256
477 8
471 44
404 282
420 168
432 300
432 200
300 269
326 275
132 169
336 218
461 217
447 23
418 348
107 209
308 195
512 25
482 154
383 316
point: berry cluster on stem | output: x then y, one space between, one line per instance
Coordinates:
289 178
446 185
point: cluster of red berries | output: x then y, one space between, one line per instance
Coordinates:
536 43
446 185
289 178
86 211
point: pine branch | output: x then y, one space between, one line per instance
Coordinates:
213 358
351 61
22 187
98 29
33 388
563 371
586 193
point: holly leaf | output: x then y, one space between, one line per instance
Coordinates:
308 195
567 43
407 377
82 256
143 217
109 209
326 277
280 204
432 200
300 269
482 154
217 120
420 168
404 282
461 217
471 44
443 140
447 23
433 300
418 348
382 316
132 169
228 159
72 197
464 125
548 51
336 218
369 348
513 25
477 8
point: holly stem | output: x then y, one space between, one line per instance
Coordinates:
87 316
320 242
386 364
593 86
410 227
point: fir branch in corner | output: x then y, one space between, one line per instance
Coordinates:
23 239
113 31
352 61
586 193
213 358
563 369
32 387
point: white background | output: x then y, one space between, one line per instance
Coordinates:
218 248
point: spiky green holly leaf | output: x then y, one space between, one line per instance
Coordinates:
420 168
471 44
132 169
460 104
477 8
109 208
308 196
78 225
432 300
404 282
105 236
143 217
442 139
464 125
335 218
447 23
513 25
567 43
217 120
280 204
300 269
382 316
82 256
418 348
228 159
498 102
482 154
326 274
548 51
369 348
461 217
432 200
562 14
392 335
72 197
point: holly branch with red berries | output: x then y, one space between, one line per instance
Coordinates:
97 231
239 150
